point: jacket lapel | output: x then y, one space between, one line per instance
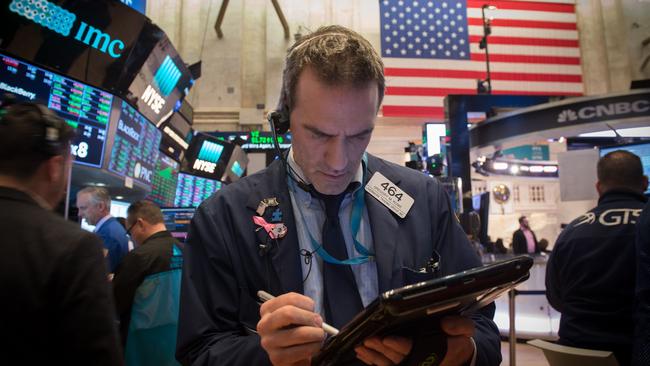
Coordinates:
384 234
284 256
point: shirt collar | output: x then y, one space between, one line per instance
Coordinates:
102 221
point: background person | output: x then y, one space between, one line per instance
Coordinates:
94 205
589 276
524 240
147 288
56 307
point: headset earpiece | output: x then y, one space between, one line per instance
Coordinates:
52 128
279 121
50 139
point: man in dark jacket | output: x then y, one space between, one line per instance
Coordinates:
641 355
524 240
590 274
56 306
256 233
146 287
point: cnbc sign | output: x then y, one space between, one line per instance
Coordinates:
62 21
208 157
165 80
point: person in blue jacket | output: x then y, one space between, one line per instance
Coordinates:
308 231
590 274
94 204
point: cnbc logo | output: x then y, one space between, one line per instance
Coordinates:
61 21
165 79
208 157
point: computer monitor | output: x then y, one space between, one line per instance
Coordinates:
642 150
177 221
86 109
192 190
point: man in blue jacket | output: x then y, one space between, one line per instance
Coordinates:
94 205
308 230
590 274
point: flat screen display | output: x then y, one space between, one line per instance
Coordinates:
207 157
162 81
642 150
176 136
163 185
83 107
433 132
91 41
135 145
192 190
177 221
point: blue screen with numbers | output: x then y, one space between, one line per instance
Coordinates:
85 108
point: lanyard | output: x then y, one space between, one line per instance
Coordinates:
355 223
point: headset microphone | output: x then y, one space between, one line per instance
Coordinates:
279 121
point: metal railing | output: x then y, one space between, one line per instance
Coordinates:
511 314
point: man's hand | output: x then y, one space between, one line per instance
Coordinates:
289 329
459 347
389 350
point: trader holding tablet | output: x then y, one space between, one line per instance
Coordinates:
325 229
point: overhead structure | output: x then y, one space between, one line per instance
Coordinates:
276 6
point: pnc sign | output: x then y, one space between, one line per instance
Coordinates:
62 21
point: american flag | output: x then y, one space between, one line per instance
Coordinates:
431 49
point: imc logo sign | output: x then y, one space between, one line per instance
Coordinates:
165 80
208 157
62 21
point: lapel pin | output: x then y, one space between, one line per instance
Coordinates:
275 231
265 203
276 216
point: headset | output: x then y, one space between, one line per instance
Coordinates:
49 141
279 121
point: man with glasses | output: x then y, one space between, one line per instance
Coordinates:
146 287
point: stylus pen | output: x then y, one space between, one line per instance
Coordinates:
265 296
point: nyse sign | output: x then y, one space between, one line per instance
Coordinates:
153 99
204 166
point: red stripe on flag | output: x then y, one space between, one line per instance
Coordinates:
460 74
425 92
527 41
525 23
399 111
528 59
441 92
523 5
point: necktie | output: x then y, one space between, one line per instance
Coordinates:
342 301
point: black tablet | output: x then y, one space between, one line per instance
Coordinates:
401 310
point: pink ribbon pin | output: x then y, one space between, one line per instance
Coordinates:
275 231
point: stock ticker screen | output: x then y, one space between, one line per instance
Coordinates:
177 221
192 190
163 185
135 146
83 107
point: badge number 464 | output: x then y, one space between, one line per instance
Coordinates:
389 194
